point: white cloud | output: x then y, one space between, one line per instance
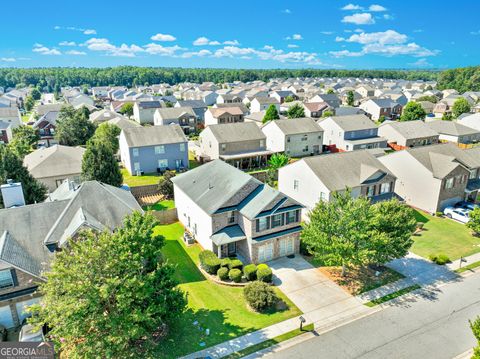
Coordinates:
163 37
418 30
294 37
56 27
358 30
345 53
90 32
8 59
364 18
201 53
421 63
68 43
43 50
204 41
376 7
388 17
73 28
76 53
352 7
292 46
231 42
124 50
156 49
326 32
385 37
287 11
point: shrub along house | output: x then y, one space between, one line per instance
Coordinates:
232 213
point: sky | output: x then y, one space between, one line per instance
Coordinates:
331 34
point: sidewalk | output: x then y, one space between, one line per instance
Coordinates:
469 260
385 290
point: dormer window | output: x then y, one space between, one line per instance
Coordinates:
6 278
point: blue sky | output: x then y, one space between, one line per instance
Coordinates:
246 34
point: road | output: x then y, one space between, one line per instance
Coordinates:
432 324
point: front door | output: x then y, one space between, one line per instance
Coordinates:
316 149
232 248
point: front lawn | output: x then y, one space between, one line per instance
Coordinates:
146 179
443 235
160 205
219 308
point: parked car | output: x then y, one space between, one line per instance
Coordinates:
459 214
467 205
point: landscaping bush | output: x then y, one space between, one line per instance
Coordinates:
250 272
235 264
209 261
264 273
439 214
440 259
225 262
223 273
259 295
235 275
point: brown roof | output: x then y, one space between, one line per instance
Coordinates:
316 106
234 110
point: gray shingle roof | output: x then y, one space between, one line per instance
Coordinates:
173 113
451 128
353 122
154 135
237 132
411 129
298 126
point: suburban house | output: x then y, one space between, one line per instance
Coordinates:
216 116
316 109
315 178
365 90
434 177
9 119
233 214
243 144
455 132
153 149
53 165
349 133
31 234
281 95
199 108
401 135
104 115
297 137
263 103
229 98
330 98
471 120
183 116
144 111
382 108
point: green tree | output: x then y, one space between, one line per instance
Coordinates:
73 127
431 98
350 98
108 134
339 231
474 222
24 140
295 111
278 160
36 94
29 103
270 114
475 326
330 91
99 164
447 116
327 113
11 167
413 111
127 109
460 106
165 185
110 295
289 98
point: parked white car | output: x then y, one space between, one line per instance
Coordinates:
459 214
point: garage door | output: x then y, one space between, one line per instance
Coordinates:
286 246
6 318
21 306
265 252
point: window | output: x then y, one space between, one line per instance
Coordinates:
6 279
449 183
182 147
296 184
473 174
288 138
231 217
162 163
305 138
459 179
291 217
320 137
159 150
305 149
223 146
370 191
263 224
323 196
178 164
135 152
277 220
262 143
384 188
136 166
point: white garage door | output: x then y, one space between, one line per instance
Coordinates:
21 306
6 317
265 253
286 246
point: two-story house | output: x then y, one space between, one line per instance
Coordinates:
401 135
229 98
222 115
144 111
314 179
242 144
450 131
153 149
382 108
280 96
185 117
263 103
351 132
198 106
297 137
9 119
232 213
434 177
330 98
316 109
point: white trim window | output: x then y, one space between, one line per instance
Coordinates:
296 185
385 187
159 150
449 182
182 147
162 163
135 152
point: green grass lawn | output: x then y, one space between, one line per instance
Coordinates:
160 206
393 295
192 162
442 235
220 308
146 179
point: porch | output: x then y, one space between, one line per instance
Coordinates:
248 160
230 242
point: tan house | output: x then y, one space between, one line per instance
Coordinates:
401 135
222 115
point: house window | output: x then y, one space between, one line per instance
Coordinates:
323 196
182 147
277 220
320 137
292 217
449 183
263 224
159 150
135 152
162 163
288 138
262 143
231 217
178 164
385 188
6 279
305 149
223 146
296 184
370 191
305 138
473 174
136 166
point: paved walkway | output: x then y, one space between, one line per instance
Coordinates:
469 260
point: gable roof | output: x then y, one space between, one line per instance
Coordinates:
192 103
220 111
173 113
411 129
54 161
451 128
236 132
352 122
297 125
153 135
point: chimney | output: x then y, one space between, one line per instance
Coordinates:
12 194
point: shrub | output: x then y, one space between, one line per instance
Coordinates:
259 295
209 261
250 272
225 262
235 264
438 214
223 273
235 275
264 273
440 259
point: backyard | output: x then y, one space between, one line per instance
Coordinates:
221 309
160 205
446 236
146 179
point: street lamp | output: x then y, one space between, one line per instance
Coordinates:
302 320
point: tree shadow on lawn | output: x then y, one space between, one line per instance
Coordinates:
185 269
421 217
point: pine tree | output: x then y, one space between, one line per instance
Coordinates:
271 114
99 164
296 111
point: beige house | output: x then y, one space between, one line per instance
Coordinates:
53 165
217 116
401 135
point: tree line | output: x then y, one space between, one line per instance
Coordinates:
461 79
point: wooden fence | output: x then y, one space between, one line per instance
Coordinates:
146 195
167 216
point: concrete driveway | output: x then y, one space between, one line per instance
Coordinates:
312 292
